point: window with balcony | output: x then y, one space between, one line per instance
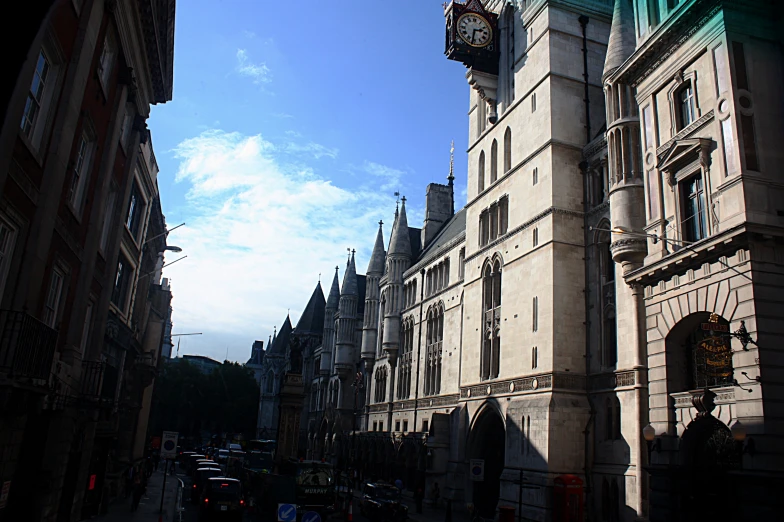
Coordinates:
54 297
81 164
491 329
136 204
433 353
122 282
8 233
694 215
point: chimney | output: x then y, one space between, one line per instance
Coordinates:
439 208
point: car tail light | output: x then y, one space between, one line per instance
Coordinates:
194 486
242 502
206 500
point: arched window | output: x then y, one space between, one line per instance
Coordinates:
382 309
491 306
710 363
507 150
494 162
481 172
434 347
404 361
270 383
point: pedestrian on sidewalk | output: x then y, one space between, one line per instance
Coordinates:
435 492
138 491
419 496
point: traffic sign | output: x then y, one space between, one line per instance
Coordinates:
477 469
169 445
311 516
287 512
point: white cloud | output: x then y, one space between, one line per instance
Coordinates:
259 73
316 150
389 178
260 228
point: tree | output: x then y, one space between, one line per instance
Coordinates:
190 402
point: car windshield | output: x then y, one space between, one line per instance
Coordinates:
314 477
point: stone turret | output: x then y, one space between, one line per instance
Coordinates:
627 193
439 204
370 321
328 342
398 261
345 356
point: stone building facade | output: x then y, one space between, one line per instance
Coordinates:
83 306
605 304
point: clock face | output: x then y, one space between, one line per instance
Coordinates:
474 30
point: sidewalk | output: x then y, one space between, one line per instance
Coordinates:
429 513
149 506
434 514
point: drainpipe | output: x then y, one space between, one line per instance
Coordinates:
584 24
589 245
419 345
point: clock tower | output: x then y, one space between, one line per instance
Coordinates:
472 36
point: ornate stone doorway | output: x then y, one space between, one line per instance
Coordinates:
487 441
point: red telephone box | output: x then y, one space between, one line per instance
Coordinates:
567 499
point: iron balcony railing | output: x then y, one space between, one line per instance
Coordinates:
26 346
92 377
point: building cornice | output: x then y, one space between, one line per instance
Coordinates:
666 40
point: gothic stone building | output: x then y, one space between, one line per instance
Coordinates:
602 312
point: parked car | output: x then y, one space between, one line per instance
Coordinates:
222 456
191 460
222 499
381 502
199 481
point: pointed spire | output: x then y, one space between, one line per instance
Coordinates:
622 41
312 318
451 177
350 278
334 292
400 242
376 265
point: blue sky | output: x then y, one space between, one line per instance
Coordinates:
292 125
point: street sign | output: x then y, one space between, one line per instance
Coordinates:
169 445
287 512
477 469
311 516
4 493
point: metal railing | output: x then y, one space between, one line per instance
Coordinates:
92 377
27 345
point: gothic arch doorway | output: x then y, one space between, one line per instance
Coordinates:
487 441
